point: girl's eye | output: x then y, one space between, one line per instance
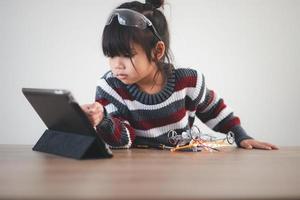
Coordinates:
129 55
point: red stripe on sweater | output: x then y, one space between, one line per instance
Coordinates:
217 111
103 102
227 127
117 130
123 93
188 81
157 122
113 138
212 98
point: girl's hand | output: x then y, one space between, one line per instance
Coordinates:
94 112
255 144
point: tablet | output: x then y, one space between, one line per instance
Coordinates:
60 112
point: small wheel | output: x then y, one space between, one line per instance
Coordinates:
230 137
172 135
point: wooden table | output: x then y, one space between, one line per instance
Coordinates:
151 174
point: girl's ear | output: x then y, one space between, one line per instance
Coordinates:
159 50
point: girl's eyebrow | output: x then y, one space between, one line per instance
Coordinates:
133 51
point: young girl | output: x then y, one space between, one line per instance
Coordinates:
143 97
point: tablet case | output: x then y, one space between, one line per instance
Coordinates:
70 145
69 132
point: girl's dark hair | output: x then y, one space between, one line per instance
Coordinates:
117 39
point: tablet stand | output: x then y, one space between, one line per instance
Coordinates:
72 145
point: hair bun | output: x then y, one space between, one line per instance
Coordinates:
155 3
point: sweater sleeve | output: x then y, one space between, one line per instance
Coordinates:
213 111
114 128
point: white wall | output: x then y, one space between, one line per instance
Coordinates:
248 50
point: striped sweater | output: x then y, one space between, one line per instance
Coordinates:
134 117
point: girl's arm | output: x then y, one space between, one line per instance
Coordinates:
115 130
216 115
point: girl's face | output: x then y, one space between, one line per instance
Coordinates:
137 70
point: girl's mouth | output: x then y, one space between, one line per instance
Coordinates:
121 76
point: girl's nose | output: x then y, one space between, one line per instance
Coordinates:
118 64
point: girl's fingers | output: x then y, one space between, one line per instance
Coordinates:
96 108
99 107
92 108
94 112
271 145
95 120
251 143
260 145
245 144
85 107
